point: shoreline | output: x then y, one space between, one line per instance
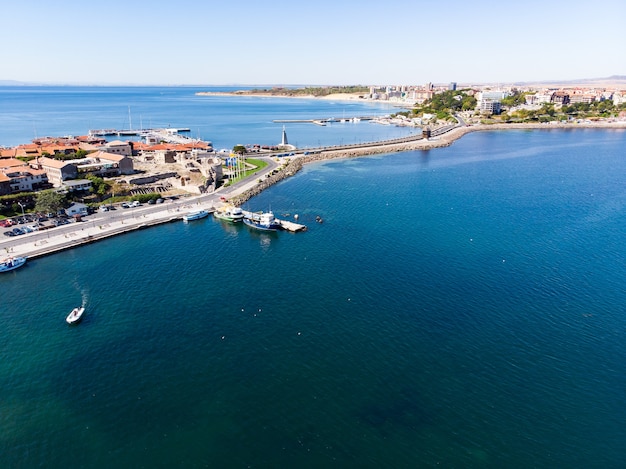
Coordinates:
348 97
39 244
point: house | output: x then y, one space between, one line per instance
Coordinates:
117 147
5 184
21 176
76 209
77 185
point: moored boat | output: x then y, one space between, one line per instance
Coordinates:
75 315
231 214
263 221
12 263
196 215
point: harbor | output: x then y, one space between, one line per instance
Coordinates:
100 226
136 132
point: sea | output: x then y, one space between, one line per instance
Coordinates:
462 307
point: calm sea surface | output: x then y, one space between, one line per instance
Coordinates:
29 112
462 307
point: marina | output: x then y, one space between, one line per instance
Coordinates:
136 132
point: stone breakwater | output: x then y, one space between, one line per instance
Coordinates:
443 140
297 163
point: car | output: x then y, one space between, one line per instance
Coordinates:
125 205
135 203
159 200
9 233
18 231
151 202
103 208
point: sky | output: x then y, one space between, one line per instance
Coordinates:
322 42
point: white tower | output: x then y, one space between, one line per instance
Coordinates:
284 139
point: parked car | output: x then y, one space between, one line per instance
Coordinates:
125 205
135 203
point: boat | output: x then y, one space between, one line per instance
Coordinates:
75 315
196 215
263 221
231 214
12 263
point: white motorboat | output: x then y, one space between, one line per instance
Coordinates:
196 215
231 214
75 315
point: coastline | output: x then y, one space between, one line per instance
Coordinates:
349 97
38 244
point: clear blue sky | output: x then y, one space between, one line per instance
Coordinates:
310 42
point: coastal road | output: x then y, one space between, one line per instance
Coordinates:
124 219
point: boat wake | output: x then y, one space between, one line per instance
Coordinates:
85 296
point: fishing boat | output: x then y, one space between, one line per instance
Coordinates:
231 214
12 263
75 315
263 221
195 215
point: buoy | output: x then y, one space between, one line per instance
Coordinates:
296 216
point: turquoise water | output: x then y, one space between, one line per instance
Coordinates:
462 307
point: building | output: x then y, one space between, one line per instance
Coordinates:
22 178
5 185
489 106
104 164
76 209
77 185
56 170
117 147
99 164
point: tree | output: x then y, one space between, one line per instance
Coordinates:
239 149
98 185
49 201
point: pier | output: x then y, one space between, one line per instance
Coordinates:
325 121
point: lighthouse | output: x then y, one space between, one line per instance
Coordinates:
284 141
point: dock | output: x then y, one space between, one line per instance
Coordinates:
328 120
285 224
131 132
291 226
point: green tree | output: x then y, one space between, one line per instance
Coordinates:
49 201
239 149
98 185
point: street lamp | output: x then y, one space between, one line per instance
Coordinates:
20 204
